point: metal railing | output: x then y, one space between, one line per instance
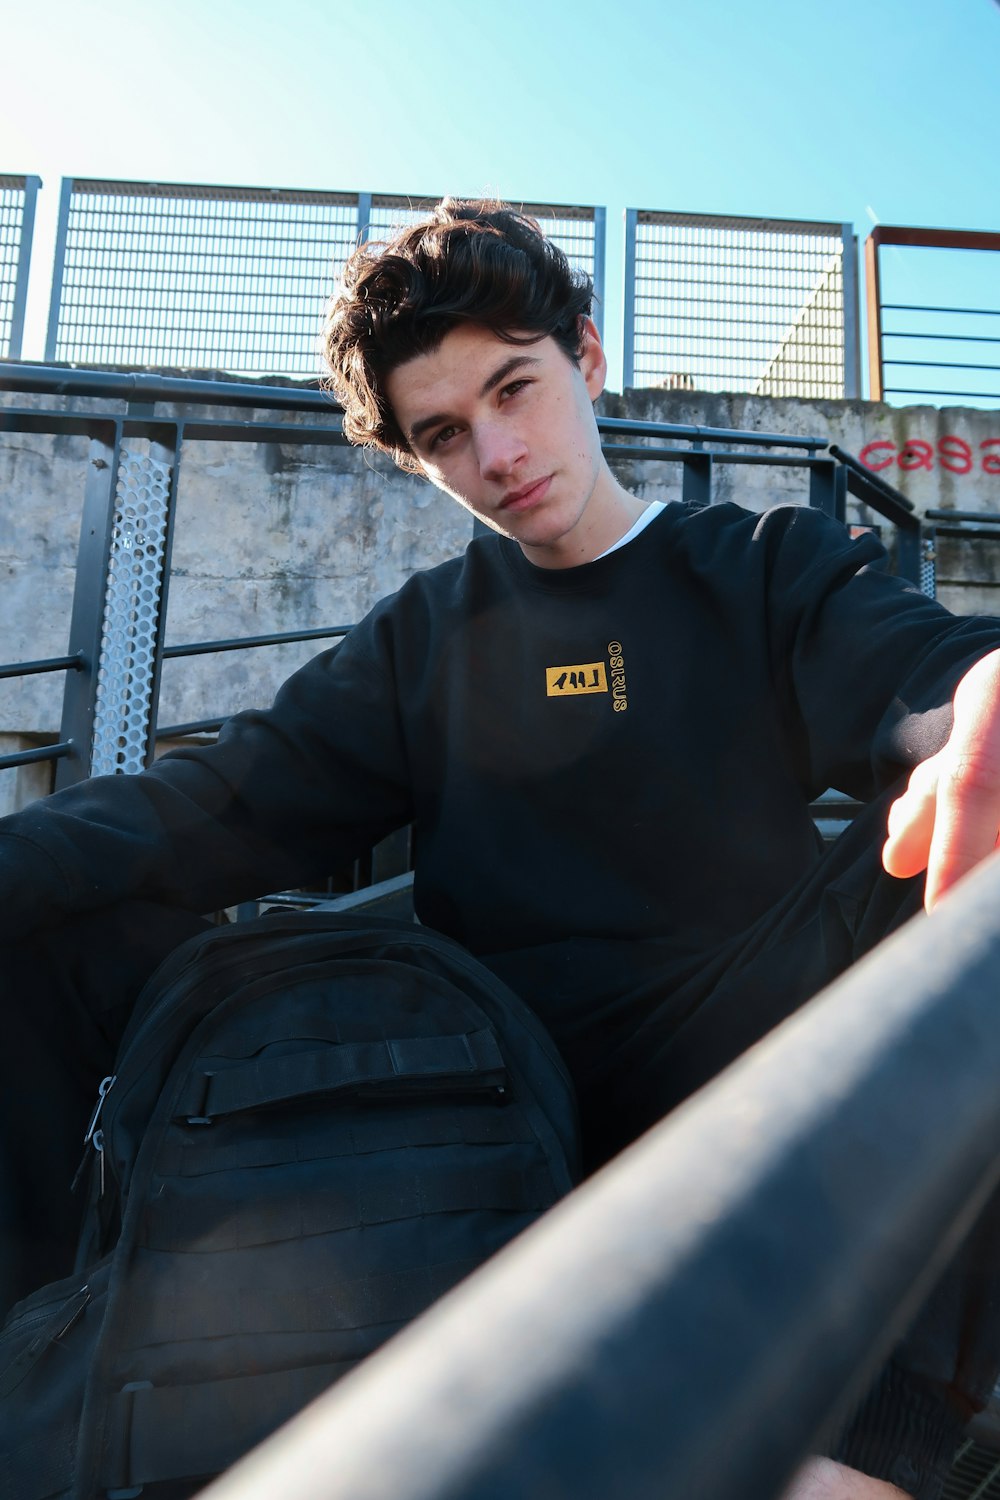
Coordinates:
116 645
232 279
235 279
702 1314
715 303
700 1294
17 223
937 349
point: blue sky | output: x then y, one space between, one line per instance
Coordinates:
870 108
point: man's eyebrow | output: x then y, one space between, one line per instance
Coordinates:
516 362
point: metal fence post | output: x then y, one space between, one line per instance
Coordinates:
87 620
628 338
696 484
823 487
600 252
852 313
873 302
165 452
58 268
364 217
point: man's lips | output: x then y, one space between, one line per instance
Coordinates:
527 496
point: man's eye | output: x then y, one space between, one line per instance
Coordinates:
515 386
443 436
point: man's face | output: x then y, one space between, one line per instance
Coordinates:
509 431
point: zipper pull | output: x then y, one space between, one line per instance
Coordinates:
92 1133
98 1144
101 1096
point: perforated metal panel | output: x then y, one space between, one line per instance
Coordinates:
928 568
135 573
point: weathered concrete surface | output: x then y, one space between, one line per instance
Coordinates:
939 459
276 537
268 537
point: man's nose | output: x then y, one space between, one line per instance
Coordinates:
499 449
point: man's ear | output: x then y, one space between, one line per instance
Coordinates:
593 364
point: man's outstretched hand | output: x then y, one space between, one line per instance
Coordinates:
948 818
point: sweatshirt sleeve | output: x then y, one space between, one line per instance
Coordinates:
283 796
865 664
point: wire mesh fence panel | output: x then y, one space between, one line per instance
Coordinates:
17 213
578 230
734 304
231 279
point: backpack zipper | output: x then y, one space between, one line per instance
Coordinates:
54 1327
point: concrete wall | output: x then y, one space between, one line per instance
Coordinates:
268 537
939 459
279 536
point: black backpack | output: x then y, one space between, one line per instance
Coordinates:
316 1127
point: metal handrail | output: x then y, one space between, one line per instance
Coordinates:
49 664
137 385
141 393
246 642
741 1271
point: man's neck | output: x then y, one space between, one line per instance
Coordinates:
610 513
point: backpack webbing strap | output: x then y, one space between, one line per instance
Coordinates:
352 1314
159 1433
173 1221
469 1059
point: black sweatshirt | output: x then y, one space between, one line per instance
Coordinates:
624 750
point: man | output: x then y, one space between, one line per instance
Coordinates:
573 714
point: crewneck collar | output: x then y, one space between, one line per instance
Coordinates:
587 575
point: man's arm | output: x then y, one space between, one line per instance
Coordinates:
947 820
283 796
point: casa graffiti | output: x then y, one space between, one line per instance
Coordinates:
949 452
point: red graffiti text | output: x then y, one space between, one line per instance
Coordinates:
949 452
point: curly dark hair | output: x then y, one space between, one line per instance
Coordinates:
473 261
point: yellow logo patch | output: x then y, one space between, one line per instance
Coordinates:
565 682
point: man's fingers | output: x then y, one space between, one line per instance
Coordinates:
965 828
968 795
911 823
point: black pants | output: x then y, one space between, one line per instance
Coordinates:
69 991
